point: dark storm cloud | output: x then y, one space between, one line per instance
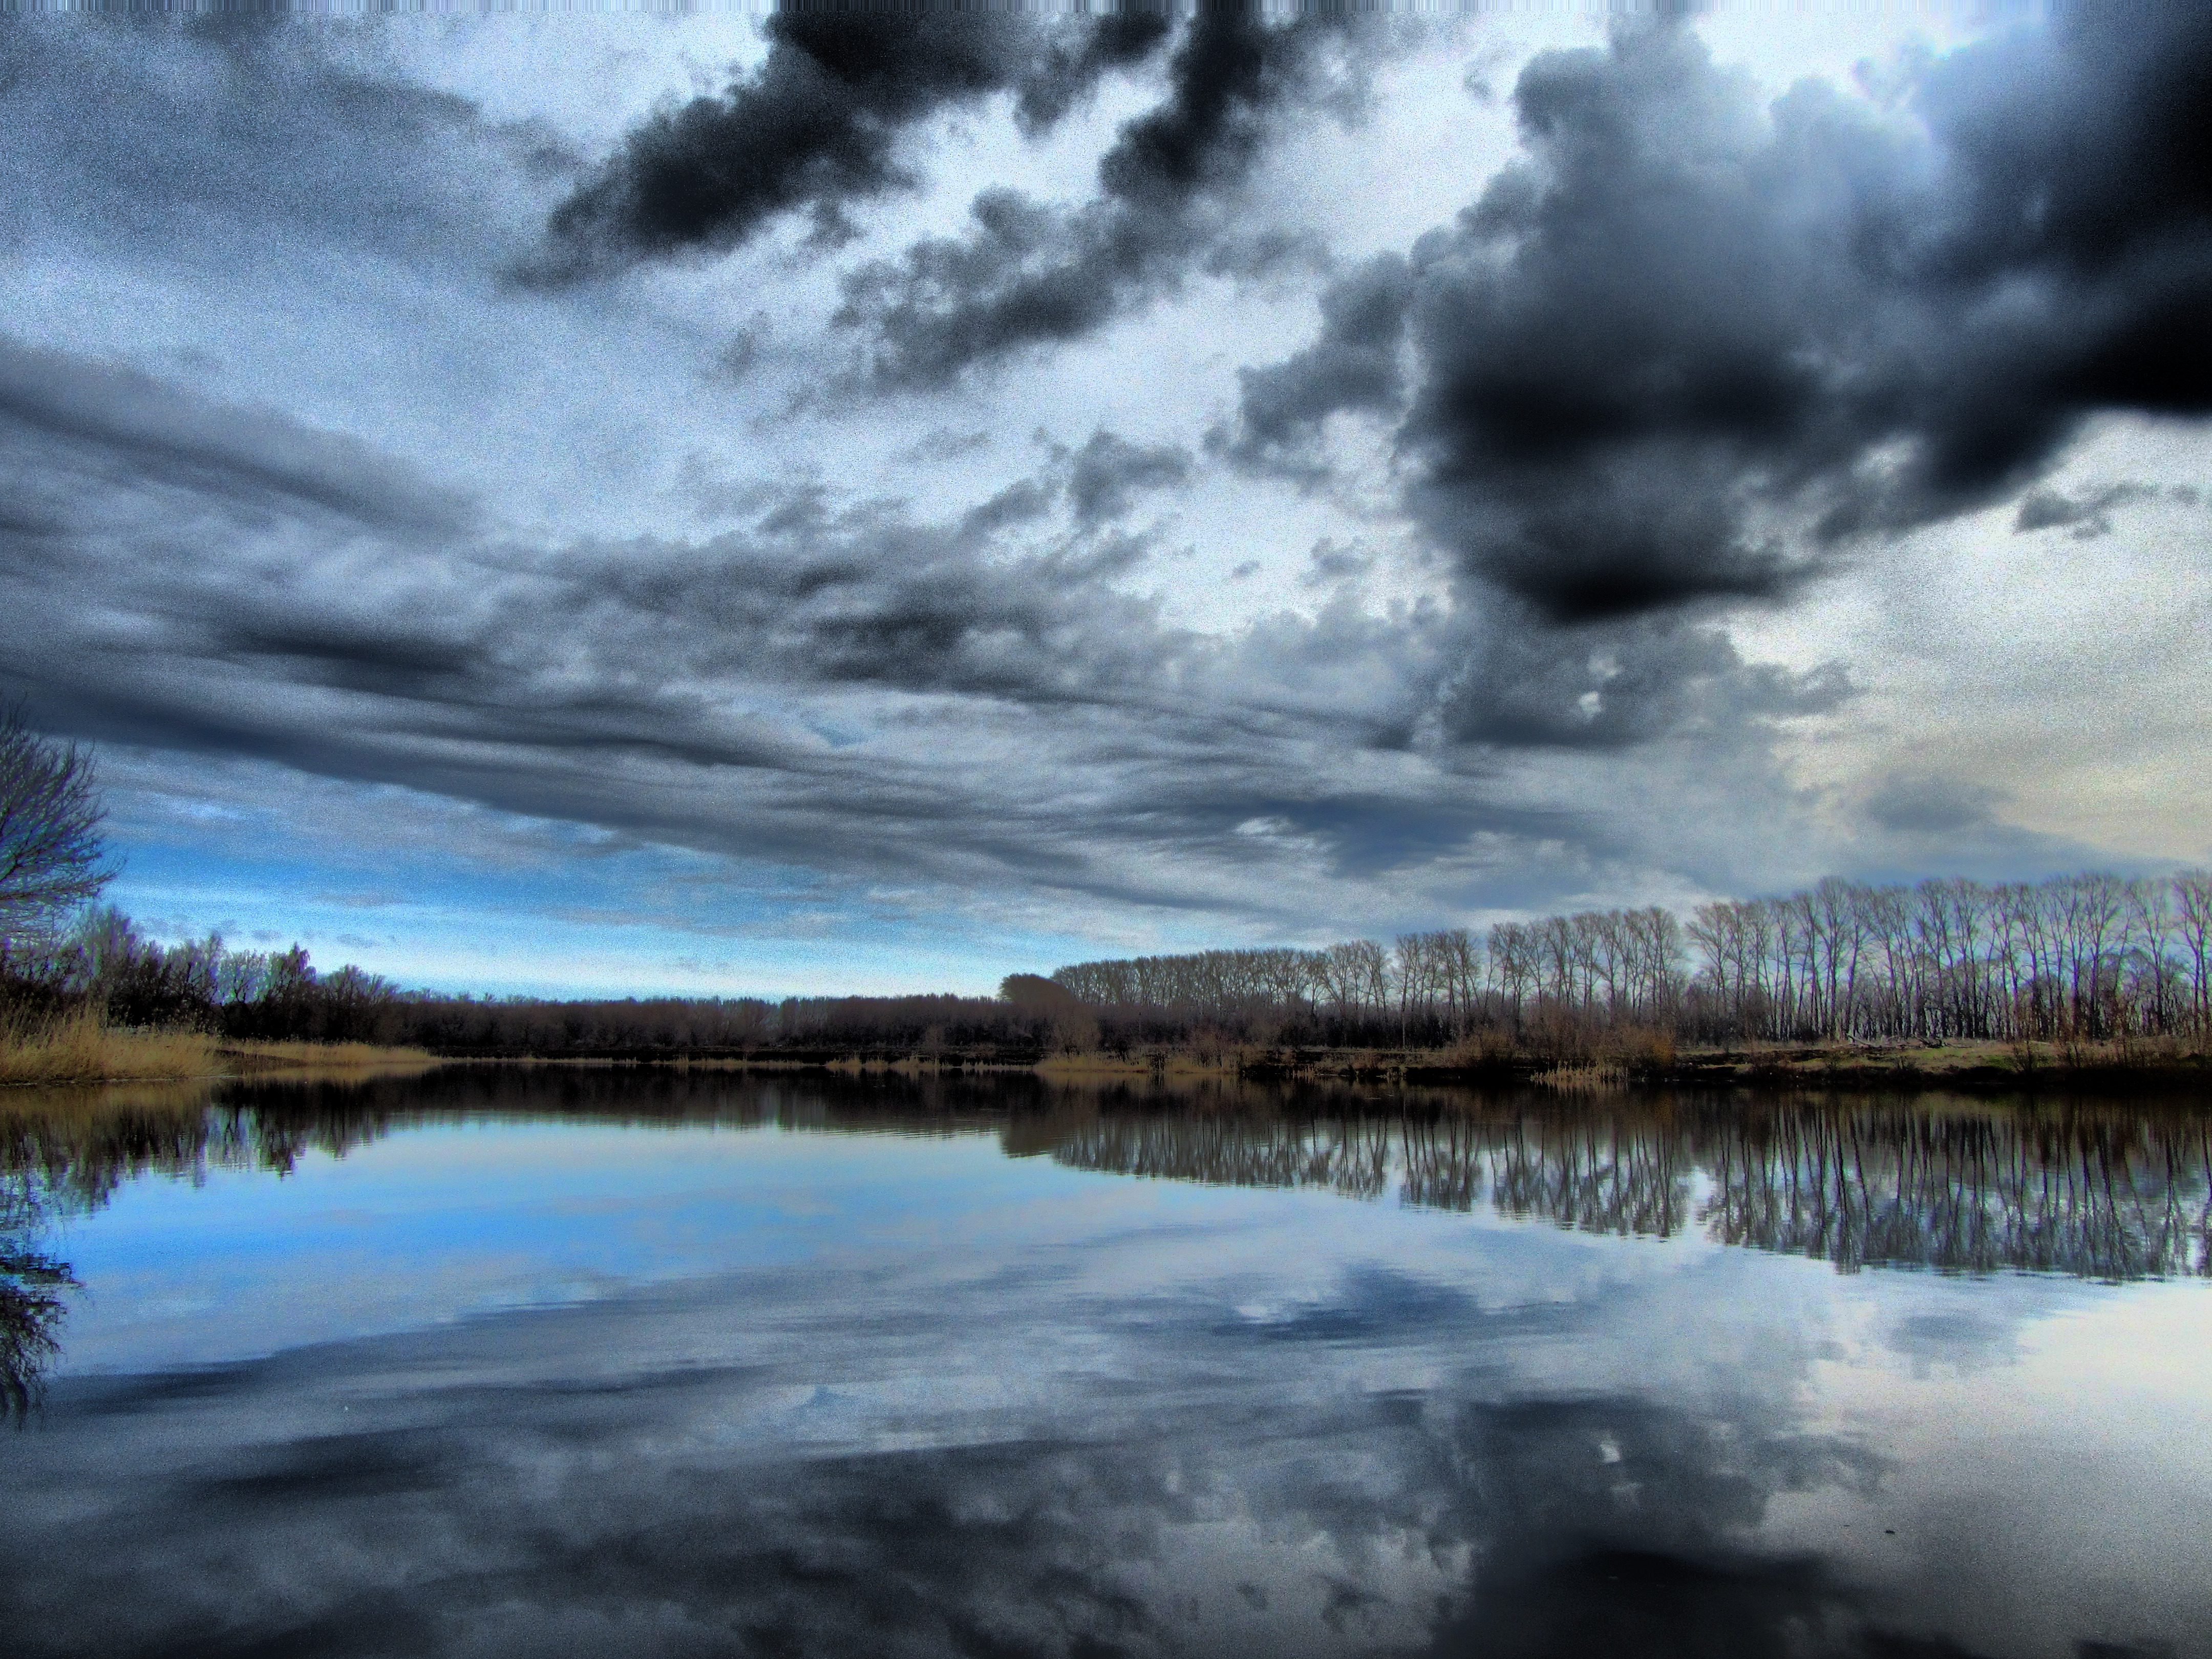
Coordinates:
864 596
1028 274
197 578
1024 501
836 684
851 592
1101 482
71 417
944 444
1109 472
819 125
1923 802
1932 821
1356 363
1693 343
1616 683
2087 515
1068 71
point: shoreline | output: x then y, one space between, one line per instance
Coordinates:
2104 1069
122 1057
1980 1067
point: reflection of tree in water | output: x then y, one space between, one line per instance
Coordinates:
2113 1193
31 1308
1597 1175
82 1148
1440 1167
1552 1525
1347 1155
2102 1194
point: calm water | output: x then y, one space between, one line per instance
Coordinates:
558 1362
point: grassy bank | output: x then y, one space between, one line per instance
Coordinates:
1632 1057
81 1048
240 1057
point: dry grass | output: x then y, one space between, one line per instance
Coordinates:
1095 1063
1578 1078
1487 1049
79 1048
1153 1060
240 1056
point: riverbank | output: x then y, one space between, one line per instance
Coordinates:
81 1049
1642 1059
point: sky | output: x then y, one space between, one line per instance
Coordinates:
732 503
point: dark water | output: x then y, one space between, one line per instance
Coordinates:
554 1362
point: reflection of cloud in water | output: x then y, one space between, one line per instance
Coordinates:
940 1452
543 1483
1966 1338
2102 1192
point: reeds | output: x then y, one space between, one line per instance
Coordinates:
245 1056
78 1046
1590 1077
1152 1060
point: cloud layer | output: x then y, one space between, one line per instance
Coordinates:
823 124
1034 554
1029 275
1696 344
839 684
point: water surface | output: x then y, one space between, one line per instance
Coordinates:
552 1361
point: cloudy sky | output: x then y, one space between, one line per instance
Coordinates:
750 502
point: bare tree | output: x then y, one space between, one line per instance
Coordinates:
2072 958
2193 894
51 856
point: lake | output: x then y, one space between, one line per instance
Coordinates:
533 1361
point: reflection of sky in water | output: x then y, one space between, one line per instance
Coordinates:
511 1387
455 1219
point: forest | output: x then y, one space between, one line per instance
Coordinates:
107 964
2080 958
2089 958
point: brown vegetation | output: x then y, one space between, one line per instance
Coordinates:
77 1046
2081 975
256 1057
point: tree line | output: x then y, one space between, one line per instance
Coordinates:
2088 958
61 955
106 961
2081 957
